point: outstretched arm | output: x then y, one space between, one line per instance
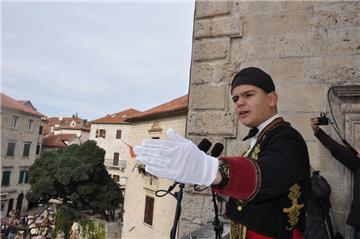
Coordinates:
339 151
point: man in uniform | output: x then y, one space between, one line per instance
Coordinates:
267 186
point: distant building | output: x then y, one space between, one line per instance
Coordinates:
21 140
53 141
148 216
60 132
112 133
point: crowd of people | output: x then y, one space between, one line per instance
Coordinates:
17 226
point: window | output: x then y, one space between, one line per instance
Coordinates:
14 122
29 125
6 178
26 151
149 210
41 129
116 178
118 134
100 133
24 176
10 149
116 159
38 147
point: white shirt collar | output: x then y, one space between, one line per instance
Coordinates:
261 127
265 123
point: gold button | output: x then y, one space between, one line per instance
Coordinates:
239 208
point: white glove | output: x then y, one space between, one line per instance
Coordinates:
178 159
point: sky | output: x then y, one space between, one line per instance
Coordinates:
94 58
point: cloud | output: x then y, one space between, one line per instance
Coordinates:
96 58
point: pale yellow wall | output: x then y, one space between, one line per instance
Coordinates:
84 135
15 163
138 186
111 145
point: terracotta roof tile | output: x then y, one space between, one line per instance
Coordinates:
8 102
67 137
53 141
177 105
66 123
57 140
116 118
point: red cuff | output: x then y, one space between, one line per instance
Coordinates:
244 178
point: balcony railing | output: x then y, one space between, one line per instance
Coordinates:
121 164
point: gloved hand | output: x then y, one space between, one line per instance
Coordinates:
178 159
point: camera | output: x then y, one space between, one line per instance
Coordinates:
322 120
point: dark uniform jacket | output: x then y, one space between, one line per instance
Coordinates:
268 189
352 162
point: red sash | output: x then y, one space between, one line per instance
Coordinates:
253 235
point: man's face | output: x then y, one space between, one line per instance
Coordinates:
252 105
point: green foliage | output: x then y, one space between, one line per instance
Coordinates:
63 222
76 173
91 230
41 177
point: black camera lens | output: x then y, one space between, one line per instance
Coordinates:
322 120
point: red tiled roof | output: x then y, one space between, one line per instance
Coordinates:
65 123
67 137
116 118
51 122
53 141
77 127
57 140
8 102
177 105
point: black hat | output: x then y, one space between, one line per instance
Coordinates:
253 76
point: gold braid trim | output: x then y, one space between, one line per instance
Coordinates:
293 212
237 231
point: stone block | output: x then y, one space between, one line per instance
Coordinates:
193 216
212 8
204 73
295 44
339 14
208 96
211 122
301 97
330 70
314 151
336 41
211 49
228 71
269 23
236 147
220 26
301 122
256 7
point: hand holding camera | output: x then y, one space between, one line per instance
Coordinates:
321 120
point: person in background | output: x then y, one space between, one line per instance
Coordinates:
349 160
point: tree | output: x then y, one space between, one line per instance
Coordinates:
77 174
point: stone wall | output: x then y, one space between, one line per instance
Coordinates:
306 47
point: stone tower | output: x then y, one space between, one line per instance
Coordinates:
306 47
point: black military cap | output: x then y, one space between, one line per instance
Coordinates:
253 76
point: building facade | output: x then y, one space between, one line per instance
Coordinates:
306 47
21 140
145 214
112 133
